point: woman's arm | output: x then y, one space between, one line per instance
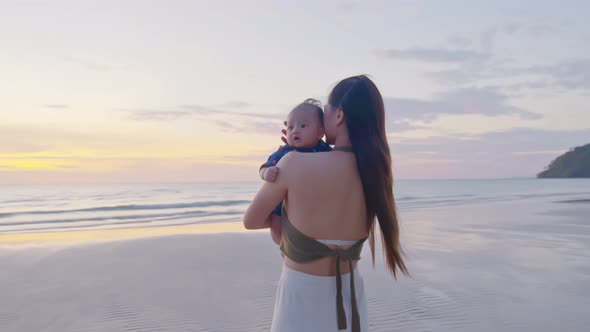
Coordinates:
258 215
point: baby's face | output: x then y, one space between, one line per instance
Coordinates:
304 129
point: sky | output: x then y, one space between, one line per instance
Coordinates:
175 91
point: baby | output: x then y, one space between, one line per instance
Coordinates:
305 129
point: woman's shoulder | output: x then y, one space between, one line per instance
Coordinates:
297 157
299 162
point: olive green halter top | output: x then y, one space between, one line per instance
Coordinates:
302 248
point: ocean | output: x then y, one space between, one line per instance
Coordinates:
50 208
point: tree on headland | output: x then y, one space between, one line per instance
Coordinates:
572 164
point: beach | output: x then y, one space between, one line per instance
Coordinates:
134 136
511 265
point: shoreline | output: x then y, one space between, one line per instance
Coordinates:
73 237
76 237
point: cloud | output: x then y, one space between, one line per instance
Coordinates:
460 75
269 127
570 74
529 85
480 101
535 29
256 158
236 104
459 41
517 140
514 152
98 67
56 106
405 7
223 114
512 28
440 55
28 139
224 124
488 38
272 128
16 146
228 117
154 115
567 74
398 126
541 30
408 114
541 152
573 74
347 5
211 111
239 121
90 64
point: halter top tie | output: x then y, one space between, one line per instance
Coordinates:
302 248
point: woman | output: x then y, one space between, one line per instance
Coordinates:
331 200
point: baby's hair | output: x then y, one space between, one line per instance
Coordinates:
312 104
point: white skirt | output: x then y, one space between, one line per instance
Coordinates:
307 302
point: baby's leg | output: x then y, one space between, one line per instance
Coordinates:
275 229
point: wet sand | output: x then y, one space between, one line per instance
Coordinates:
521 266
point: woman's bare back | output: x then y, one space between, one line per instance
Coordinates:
325 201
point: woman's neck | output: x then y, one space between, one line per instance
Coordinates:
342 141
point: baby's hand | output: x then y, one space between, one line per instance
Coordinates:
284 132
270 175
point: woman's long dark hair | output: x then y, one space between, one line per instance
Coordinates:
364 113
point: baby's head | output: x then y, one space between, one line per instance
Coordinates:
305 124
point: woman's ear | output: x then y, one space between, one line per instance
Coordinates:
339 116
